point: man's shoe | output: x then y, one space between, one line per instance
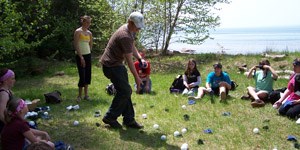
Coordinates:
134 125
113 123
258 103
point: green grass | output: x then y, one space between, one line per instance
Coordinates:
229 132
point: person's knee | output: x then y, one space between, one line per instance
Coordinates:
281 112
291 115
250 88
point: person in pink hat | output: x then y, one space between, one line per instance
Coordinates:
7 81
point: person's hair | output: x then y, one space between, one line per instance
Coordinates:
297 83
188 71
39 146
11 107
85 18
3 71
264 62
296 62
217 65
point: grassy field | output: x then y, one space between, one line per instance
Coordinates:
162 108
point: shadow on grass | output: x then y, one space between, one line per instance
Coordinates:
147 139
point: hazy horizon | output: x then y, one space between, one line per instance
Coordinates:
259 13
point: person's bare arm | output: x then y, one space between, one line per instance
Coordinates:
130 64
91 41
4 99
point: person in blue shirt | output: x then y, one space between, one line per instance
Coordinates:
217 82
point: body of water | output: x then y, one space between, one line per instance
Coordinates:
247 41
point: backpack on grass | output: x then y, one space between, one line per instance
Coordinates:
177 85
234 85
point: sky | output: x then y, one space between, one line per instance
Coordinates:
259 13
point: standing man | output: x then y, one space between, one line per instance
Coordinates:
119 48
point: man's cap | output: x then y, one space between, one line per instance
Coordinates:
217 65
138 19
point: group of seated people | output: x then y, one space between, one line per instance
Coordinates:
218 83
16 134
15 131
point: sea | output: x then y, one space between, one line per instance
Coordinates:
247 41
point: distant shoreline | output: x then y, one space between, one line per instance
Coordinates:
247 41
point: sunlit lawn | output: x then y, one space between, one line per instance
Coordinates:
162 108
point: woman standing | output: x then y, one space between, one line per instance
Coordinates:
7 81
83 41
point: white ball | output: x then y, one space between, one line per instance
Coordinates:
155 126
183 107
144 116
176 133
184 146
76 123
46 113
163 137
31 123
256 130
184 130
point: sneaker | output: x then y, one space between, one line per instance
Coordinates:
134 125
223 96
87 98
113 123
298 121
258 103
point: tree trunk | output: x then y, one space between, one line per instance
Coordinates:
172 26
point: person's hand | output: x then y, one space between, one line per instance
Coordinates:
142 63
82 62
138 82
208 90
138 88
296 101
277 104
46 136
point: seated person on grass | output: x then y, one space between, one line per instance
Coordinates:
16 129
289 103
217 82
191 78
264 79
143 70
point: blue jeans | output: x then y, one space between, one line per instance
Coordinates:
121 104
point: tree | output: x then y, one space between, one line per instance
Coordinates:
190 20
